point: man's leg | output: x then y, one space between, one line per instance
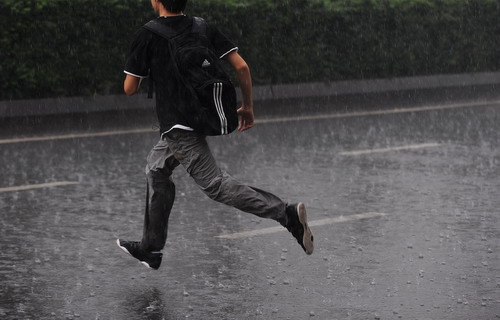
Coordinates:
159 168
193 152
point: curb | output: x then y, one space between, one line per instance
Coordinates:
324 89
79 105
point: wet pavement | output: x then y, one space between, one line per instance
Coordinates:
405 206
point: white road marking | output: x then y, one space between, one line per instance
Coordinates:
38 186
75 135
380 112
263 121
389 149
322 222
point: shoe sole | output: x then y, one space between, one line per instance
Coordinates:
307 239
125 249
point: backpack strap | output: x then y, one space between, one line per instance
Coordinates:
160 29
156 27
199 25
151 87
164 31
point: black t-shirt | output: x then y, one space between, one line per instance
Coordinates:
149 56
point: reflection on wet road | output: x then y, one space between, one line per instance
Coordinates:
426 180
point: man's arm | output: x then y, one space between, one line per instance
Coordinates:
131 84
245 112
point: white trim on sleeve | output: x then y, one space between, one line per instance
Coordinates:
134 75
225 54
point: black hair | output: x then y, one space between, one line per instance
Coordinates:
174 6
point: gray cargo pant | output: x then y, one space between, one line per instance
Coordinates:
192 151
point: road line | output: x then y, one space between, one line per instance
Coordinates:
379 112
315 223
389 149
263 121
38 186
75 136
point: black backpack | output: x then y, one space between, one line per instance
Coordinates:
207 98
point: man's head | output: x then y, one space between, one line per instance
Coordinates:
174 6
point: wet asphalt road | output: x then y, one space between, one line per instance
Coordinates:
419 191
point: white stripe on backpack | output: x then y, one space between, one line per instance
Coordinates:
218 105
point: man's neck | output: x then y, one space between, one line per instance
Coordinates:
165 13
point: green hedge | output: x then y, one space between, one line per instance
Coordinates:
70 48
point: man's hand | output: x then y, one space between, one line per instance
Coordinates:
246 118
